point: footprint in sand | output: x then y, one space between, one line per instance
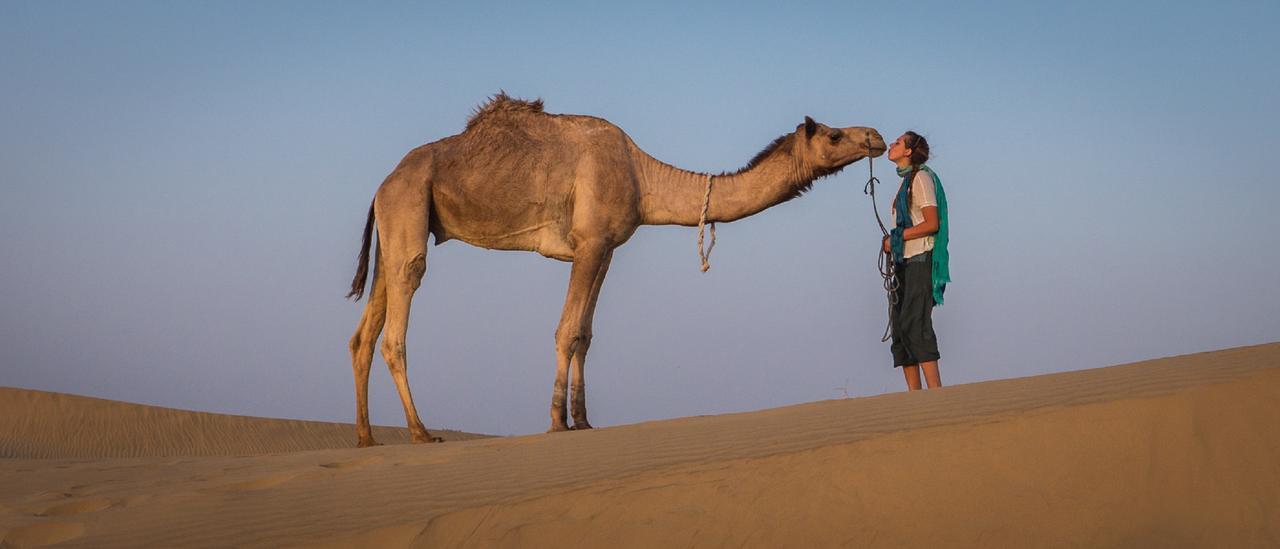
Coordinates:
42 533
88 505
351 464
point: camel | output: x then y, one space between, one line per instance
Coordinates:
568 187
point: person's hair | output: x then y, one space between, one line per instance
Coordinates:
919 148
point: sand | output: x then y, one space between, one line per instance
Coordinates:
39 424
1182 451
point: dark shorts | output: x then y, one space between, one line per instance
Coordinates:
912 318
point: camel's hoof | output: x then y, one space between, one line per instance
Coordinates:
581 425
558 428
367 442
423 439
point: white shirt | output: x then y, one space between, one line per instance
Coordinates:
922 196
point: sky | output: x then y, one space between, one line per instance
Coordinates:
183 188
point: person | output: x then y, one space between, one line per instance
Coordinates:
918 245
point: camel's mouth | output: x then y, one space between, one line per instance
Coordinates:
875 144
872 144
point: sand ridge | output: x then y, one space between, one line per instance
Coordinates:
1180 451
40 424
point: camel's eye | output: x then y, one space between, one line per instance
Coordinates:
835 136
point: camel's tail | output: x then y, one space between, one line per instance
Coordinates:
362 264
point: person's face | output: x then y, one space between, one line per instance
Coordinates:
898 149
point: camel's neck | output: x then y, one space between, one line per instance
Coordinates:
672 196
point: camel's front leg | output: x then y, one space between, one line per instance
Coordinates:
589 261
579 382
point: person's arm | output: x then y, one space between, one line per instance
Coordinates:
928 227
922 193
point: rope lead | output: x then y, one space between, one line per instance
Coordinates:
885 261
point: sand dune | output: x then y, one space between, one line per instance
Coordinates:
39 424
1183 451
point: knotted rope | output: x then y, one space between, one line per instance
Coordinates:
702 222
885 261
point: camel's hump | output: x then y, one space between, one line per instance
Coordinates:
503 104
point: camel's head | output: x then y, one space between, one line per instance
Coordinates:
829 149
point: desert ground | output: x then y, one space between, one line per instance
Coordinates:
1173 452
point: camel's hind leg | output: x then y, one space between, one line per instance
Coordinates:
375 314
402 232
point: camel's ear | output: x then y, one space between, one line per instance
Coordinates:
810 127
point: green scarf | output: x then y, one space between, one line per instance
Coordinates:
941 259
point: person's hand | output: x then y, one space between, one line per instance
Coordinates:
885 245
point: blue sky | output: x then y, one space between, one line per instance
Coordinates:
182 189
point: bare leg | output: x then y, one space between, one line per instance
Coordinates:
579 381
588 258
912 374
931 375
375 315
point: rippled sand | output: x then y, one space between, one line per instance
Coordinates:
1182 451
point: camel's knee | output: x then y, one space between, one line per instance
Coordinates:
582 344
569 339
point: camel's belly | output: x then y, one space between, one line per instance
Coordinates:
544 240
514 214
